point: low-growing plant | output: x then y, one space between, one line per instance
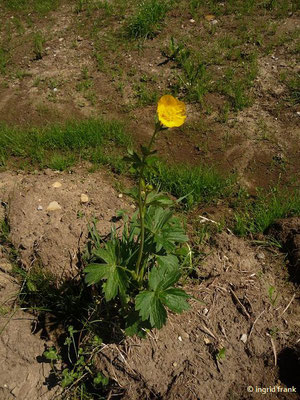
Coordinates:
3 60
147 21
38 45
259 214
141 267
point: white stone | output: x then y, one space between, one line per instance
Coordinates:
56 185
84 198
244 338
53 206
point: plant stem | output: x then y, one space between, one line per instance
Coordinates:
142 206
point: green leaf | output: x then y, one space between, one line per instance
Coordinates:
113 271
150 307
116 282
155 198
163 276
100 379
51 354
95 272
143 303
175 300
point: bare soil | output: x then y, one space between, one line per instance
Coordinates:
231 284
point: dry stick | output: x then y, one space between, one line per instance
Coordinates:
294 295
255 323
274 351
238 300
206 330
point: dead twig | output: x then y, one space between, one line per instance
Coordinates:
250 333
294 295
274 351
245 312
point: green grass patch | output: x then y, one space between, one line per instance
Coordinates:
200 184
148 19
60 146
39 6
4 56
258 215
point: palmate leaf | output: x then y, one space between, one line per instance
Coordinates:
95 272
164 228
151 303
175 300
150 307
112 270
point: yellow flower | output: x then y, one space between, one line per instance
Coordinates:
171 112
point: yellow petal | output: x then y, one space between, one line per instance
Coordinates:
171 112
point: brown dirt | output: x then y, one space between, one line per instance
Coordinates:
179 361
55 238
22 374
287 232
231 300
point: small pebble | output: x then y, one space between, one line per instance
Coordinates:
260 256
192 20
53 206
40 207
84 198
214 22
205 311
120 195
175 364
56 185
180 338
244 338
55 89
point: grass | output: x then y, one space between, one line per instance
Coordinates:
38 45
280 8
147 21
200 184
38 6
4 58
60 146
258 215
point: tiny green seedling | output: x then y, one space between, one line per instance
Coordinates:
273 295
221 354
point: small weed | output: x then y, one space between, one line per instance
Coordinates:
221 354
258 215
60 162
293 85
199 184
100 61
145 95
86 82
148 19
20 74
4 59
273 295
38 45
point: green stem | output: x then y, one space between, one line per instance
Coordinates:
142 207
